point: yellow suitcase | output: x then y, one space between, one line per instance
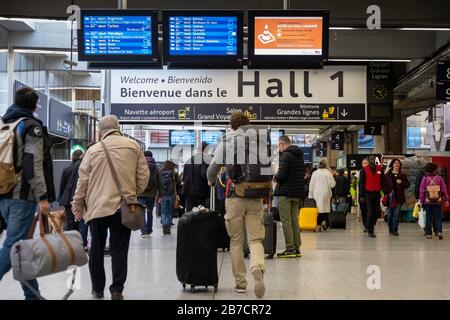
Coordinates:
308 218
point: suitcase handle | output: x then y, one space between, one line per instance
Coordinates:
212 199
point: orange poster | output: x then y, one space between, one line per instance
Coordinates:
288 35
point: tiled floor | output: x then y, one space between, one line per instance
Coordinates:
334 266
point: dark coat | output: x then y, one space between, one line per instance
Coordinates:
195 181
342 188
399 189
291 173
30 185
68 185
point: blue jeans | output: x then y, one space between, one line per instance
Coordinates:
18 215
148 215
167 203
433 210
394 218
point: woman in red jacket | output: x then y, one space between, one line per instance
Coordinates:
399 183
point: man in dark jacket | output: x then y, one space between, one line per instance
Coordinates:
195 181
69 179
342 188
34 187
290 191
149 195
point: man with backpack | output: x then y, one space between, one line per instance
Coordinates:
147 198
249 182
167 194
26 182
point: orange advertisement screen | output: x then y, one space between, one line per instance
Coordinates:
288 36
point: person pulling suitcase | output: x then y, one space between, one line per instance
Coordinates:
246 189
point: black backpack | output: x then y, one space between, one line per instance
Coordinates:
166 180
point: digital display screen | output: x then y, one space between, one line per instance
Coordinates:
117 35
365 141
182 137
203 35
275 136
294 36
211 136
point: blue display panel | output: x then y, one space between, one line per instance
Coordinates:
275 136
117 35
203 35
211 136
181 137
365 141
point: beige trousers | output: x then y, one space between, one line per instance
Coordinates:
248 213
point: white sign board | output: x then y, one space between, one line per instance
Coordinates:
335 93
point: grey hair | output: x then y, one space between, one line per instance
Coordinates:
108 123
323 164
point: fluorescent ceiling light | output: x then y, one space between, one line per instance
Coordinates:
343 28
47 52
371 60
424 29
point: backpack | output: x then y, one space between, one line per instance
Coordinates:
8 175
433 193
246 179
166 180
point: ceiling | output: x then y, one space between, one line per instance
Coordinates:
431 13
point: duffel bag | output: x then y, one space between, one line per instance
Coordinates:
47 254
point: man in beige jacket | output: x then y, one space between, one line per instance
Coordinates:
97 201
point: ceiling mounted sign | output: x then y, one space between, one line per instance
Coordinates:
332 94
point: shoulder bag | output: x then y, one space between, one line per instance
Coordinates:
131 210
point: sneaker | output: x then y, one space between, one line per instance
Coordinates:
116 296
429 236
298 253
143 236
97 295
260 289
440 236
372 235
239 289
286 254
365 230
395 233
324 226
318 229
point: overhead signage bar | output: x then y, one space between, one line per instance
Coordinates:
332 94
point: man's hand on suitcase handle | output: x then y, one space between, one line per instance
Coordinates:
43 207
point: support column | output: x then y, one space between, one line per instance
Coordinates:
379 141
395 134
10 72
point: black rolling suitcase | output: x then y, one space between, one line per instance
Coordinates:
338 218
196 259
223 239
270 237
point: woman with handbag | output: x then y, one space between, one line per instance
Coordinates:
399 183
167 194
433 192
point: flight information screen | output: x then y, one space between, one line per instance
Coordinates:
211 136
181 137
117 35
202 35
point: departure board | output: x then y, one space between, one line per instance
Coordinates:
203 35
117 35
